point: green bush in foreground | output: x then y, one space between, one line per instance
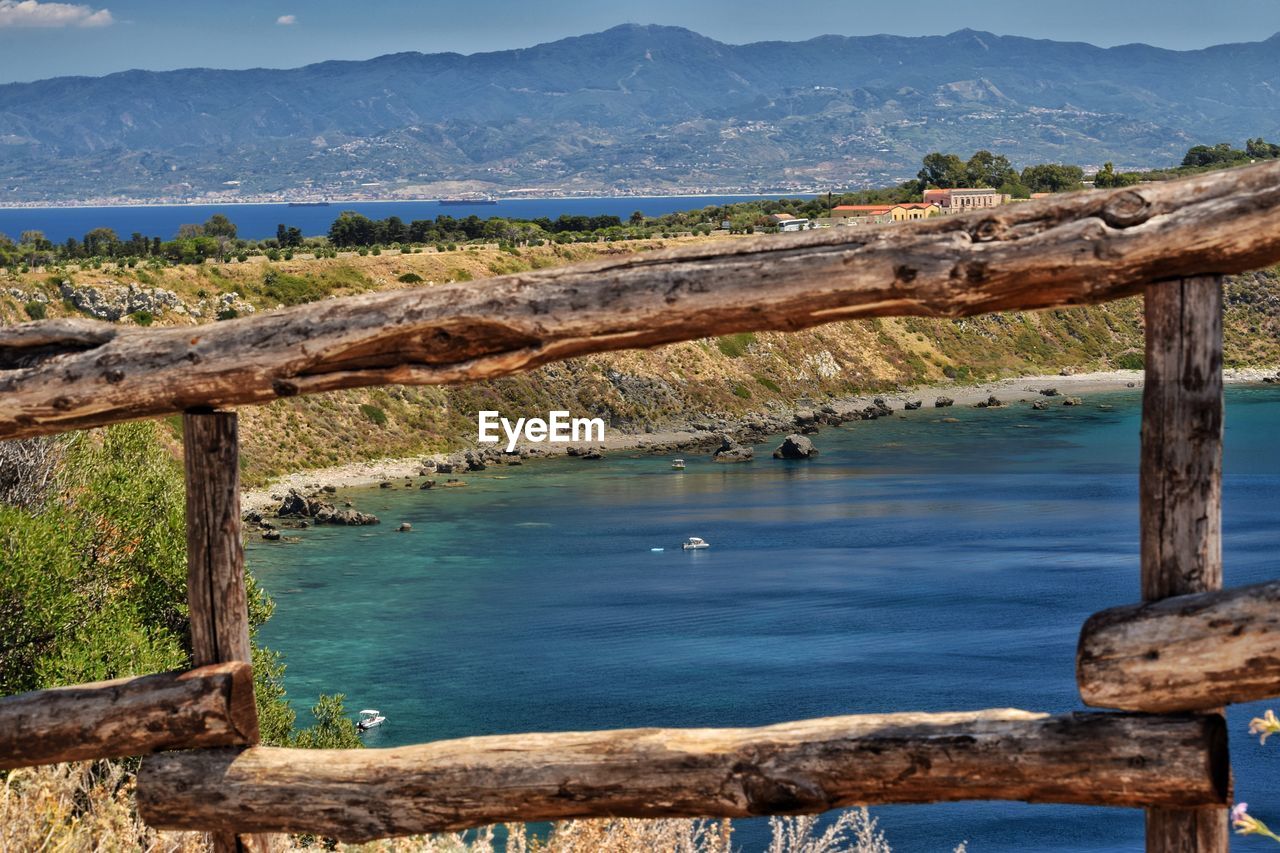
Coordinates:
93 577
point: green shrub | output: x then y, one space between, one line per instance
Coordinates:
228 314
460 274
291 289
36 310
769 383
143 318
741 391
374 414
735 346
1131 361
410 278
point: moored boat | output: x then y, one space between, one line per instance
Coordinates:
369 718
693 543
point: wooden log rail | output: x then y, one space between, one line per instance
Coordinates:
791 768
208 706
1077 249
1190 652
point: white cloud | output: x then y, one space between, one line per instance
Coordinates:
33 13
287 20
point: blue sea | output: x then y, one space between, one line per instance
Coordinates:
259 221
915 565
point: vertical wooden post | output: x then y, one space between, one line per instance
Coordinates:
216 599
1181 488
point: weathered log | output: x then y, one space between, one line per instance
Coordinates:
208 706
215 552
216 597
1181 474
1076 249
1187 653
1180 489
791 768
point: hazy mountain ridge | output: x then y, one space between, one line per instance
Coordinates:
630 108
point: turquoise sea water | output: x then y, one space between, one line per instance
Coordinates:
914 565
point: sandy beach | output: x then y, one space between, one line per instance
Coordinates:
1021 389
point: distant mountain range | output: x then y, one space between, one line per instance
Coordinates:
634 108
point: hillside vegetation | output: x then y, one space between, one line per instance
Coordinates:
635 390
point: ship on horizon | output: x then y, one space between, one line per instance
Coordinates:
468 199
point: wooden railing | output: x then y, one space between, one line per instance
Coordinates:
1169 665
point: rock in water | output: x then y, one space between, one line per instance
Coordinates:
912 405
943 402
1039 405
592 453
1072 401
405 527
731 451
795 447
295 505
991 402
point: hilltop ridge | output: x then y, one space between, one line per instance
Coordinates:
630 109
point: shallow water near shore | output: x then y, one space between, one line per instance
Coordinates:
915 565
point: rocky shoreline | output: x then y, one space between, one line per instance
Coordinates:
727 438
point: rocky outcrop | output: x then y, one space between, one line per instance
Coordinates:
992 402
943 402
297 505
795 446
114 302
731 451
1049 392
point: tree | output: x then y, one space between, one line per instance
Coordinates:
1108 177
100 242
941 170
637 218
1260 149
1052 177
985 169
352 229
1215 156
219 225
287 236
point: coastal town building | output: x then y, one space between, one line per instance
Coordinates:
964 199
877 214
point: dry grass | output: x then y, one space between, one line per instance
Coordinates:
86 807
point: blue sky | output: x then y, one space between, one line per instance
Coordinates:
46 39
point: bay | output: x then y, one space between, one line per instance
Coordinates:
259 221
915 565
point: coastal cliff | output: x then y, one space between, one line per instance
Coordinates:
639 392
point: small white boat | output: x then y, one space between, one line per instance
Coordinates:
677 464
369 718
693 543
